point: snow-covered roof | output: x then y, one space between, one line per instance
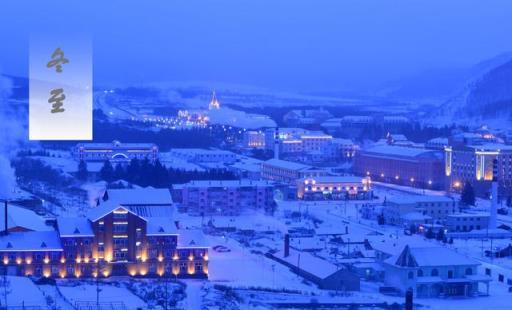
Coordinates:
433 257
140 196
74 227
21 217
401 199
335 179
226 183
160 226
287 164
105 208
30 241
401 151
309 263
191 238
468 215
491 147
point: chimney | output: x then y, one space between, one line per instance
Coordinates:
6 227
286 245
494 195
276 143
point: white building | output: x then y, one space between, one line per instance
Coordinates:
463 222
434 272
253 139
204 156
435 207
287 171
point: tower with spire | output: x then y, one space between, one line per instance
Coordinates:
214 103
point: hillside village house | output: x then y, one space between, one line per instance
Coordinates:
434 272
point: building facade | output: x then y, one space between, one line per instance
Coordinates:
115 151
112 240
227 197
473 164
334 188
409 166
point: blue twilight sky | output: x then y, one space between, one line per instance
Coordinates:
278 44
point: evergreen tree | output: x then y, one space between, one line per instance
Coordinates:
133 171
107 172
467 196
82 171
119 172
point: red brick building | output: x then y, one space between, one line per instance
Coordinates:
409 166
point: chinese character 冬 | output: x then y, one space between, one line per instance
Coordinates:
58 60
56 99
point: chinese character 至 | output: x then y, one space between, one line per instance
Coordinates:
56 99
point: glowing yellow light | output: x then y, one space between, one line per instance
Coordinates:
46 273
79 259
133 272
6 261
106 273
28 260
62 260
175 256
46 260
191 257
205 257
160 258
190 268
18 260
86 259
175 269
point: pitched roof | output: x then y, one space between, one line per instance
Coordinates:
191 238
31 241
74 226
287 164
140 196
21 217
430 257
160 226
105 208
309 263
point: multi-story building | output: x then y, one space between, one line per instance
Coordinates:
343 149
306 117
130 232
334 187
410 166
434 272
438 208
112 240
287 171
462 222
204 155
115 151
299 143
473 163
227 197
253 139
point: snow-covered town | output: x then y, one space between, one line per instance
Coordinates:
224 157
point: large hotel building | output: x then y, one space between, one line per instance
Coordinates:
474 164
123 239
